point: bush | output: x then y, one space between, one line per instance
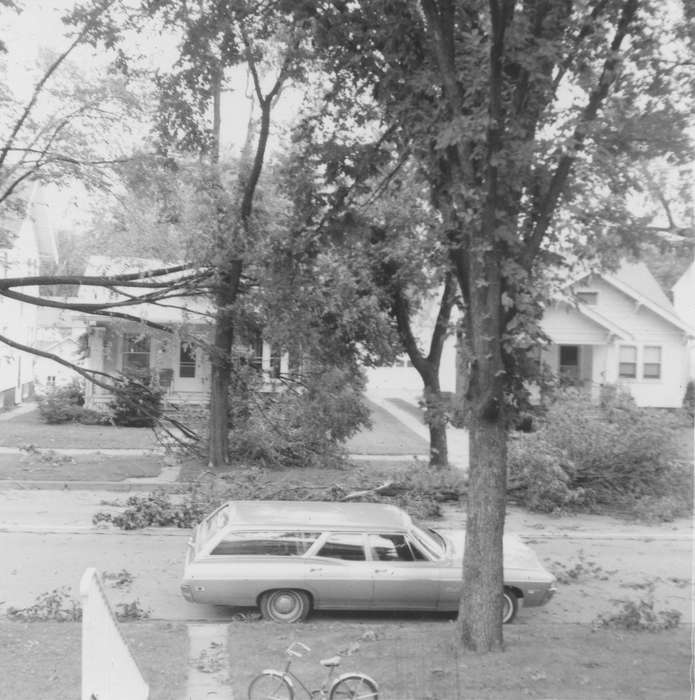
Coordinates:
296 427
66 405
584 454
540 475
136 402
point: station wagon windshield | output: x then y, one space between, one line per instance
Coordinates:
432 542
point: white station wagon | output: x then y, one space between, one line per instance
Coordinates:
291 557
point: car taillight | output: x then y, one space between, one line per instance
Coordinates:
187 592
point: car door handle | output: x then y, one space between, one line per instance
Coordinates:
382 571
313 571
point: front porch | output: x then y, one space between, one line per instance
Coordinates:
581 366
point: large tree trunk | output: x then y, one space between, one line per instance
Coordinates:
220 375
480 612
221 367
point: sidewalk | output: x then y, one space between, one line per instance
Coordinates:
457 438
18 411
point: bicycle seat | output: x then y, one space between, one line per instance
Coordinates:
330 663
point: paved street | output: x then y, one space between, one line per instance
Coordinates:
47 542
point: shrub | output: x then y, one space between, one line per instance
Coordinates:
66 405
584 454
136 402
62 404
296 427
540 475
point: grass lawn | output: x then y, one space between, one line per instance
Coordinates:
411 659
49 466
420 660
387 436
41 660
29 429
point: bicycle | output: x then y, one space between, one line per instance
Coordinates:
279 685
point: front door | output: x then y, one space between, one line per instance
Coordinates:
569 363
187 369
403 576
339 574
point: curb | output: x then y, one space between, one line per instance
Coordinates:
93 530
20 485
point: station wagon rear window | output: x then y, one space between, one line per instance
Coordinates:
278 544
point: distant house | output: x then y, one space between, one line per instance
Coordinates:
618 329
49 374
176 360
30 244
621 330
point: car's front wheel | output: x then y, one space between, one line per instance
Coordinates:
285 605
510 606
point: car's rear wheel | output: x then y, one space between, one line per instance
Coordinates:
285 605
510 605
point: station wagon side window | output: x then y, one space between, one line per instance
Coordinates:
343 545
278 544
391 547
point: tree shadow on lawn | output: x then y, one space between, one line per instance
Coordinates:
29 429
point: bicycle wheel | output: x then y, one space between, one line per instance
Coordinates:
270 685
354 686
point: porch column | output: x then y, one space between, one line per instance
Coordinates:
95 361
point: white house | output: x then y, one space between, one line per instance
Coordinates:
175 359
30 240
622 330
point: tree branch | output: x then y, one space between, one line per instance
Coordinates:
544 209
45 78
102 281
89 374
441 326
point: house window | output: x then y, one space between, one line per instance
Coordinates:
186 361
651 362
275 360
256 360
136 353
589 298
627 362
50 381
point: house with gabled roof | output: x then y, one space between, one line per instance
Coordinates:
174 356
620 328
615 328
